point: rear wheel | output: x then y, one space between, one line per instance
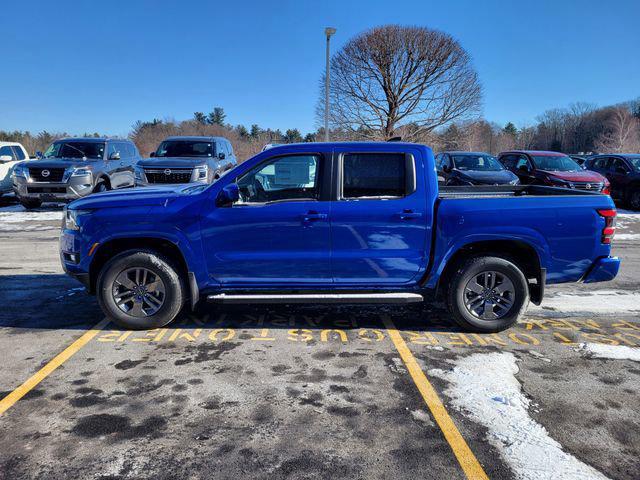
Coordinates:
487 294
30 203
140 290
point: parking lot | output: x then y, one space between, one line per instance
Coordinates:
302 392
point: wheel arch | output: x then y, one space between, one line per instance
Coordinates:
520 252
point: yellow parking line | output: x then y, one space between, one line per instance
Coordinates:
8 401
468 461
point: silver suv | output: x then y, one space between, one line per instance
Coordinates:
185 160
75 167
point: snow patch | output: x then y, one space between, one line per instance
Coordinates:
483 386
23 216
626 236
614 352
596 301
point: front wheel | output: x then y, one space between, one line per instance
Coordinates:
634 199
140 290
487 294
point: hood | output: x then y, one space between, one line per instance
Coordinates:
137 197
581 176
499 177
173 162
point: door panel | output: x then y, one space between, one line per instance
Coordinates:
379 241
278 233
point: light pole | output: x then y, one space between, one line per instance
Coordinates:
328 32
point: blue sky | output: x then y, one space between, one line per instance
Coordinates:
100 66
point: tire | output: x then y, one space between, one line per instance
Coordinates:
30 203
121 272
634 199
100 187
471 283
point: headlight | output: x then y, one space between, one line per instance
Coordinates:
70 219
200 173
20 171
79 172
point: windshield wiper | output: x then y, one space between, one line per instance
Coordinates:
84 155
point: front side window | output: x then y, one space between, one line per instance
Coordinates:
477 162
6 151
635 162
522 163
556 163
374 175
285 178
185 148
83 150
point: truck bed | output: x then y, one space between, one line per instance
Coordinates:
501 191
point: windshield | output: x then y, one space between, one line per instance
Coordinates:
83 150
477 162
556 163
185 148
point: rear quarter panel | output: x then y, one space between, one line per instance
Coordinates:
565 231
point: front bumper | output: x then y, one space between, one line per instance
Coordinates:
75 187
602 270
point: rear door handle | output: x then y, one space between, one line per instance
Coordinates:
312 216
408 215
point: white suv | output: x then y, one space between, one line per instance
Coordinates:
10 154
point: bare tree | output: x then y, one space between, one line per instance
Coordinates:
392 76
622 134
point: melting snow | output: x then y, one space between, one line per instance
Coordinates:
596 301
484 387
615 352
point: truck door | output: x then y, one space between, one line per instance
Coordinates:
380 223
278 233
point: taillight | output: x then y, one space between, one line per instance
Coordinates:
609 224
606 189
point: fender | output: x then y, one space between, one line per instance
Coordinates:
524 235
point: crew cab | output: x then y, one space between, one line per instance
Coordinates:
73 168
472 168
552 168
186 160
623 172
336 222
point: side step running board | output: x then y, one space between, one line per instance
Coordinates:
317 298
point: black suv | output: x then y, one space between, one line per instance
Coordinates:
187 159
623 172
75 167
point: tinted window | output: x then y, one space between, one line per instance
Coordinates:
374 175
601 163
7 151
185 148
618 166
477 162
93 150
19 153
556 163
229 148
286 178
509 161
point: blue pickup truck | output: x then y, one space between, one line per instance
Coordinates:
336 223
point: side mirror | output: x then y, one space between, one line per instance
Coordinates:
523 169
446 169
114 156
583 166
39 155
229 195
620 169
152 154
6 158
221 155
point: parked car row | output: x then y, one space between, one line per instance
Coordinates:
76 167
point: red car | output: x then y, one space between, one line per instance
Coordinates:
552 169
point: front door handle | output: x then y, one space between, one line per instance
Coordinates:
408 215
312 216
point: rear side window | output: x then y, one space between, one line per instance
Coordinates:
375 175
7 151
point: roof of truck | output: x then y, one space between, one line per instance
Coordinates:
92 139
194 138
542 153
